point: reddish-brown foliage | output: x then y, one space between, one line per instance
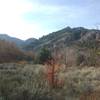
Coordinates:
52 73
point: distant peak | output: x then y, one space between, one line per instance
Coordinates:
3 34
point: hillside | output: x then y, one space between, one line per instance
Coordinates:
74 46
18 42
71 46
65 37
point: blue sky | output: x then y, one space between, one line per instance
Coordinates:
35 18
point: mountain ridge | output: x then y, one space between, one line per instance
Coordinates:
17 41
66 36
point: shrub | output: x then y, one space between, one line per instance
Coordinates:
43 56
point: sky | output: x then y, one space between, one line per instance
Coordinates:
34 18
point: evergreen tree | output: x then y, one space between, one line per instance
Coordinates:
44 55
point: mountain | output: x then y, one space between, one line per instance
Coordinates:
72 46
80 45
17 41
20 43
65 37
30 40
29 44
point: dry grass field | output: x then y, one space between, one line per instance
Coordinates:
29 82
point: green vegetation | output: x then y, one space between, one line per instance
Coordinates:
43 56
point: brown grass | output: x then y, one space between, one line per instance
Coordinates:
90 96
